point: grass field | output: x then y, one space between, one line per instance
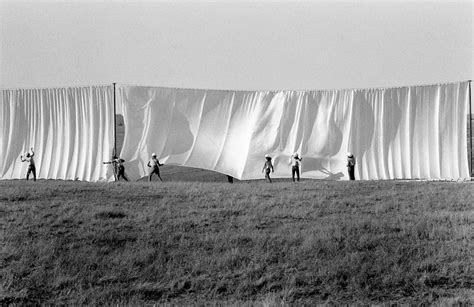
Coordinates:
316 242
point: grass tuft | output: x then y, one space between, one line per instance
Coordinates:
110 215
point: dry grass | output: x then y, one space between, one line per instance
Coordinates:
316 242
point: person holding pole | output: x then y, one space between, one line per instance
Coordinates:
119 169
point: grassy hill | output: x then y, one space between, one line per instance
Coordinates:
250 242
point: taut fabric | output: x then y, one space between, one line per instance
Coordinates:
70 129
416 132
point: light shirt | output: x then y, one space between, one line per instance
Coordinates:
154 162
119 162
295 161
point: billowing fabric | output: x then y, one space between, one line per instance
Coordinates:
395 133
71 130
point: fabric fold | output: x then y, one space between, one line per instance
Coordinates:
416 132
70 129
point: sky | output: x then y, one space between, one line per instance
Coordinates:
235 44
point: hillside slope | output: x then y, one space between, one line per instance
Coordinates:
316 242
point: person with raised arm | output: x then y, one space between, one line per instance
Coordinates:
31 167
155 164
295 166
119 168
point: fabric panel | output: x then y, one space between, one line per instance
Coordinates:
70 129
395 133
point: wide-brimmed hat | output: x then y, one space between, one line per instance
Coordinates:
153 154
267 156
349 154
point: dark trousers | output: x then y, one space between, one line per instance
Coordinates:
121 173
31 169
295 170
267 175
156 171
350 170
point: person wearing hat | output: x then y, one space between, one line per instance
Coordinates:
267 167
295 166
351 162
155 166
119 169
31 168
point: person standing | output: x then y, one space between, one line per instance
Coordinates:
119 169
295 166
31 167
351 162
155 164
267 167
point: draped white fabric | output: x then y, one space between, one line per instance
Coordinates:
71 130
414 132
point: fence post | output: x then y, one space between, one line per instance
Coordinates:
470 127
115 125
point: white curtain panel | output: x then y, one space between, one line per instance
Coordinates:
414 132
70 129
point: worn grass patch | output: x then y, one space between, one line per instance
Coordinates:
316 242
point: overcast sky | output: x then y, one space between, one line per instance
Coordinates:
235 44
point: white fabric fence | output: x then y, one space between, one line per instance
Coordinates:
414 132
71 130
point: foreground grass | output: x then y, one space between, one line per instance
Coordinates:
184 243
